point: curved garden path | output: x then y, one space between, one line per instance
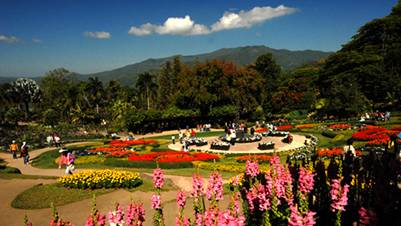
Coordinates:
77 212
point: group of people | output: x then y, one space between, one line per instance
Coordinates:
378 116
67 159
23 151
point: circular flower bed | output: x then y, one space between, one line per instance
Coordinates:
101 179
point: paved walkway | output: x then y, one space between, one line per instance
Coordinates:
249 148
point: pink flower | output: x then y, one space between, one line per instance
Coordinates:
199 219
258 195
306 181
366 217
252 168
215 187
135 215
298 220
156 202
100 219
158 178
338 196
235 203
117 216
197 184
235 180
181 199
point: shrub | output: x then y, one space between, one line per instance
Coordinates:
329 134
114 162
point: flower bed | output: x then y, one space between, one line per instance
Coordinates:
334 152
258 158
89 159
284 128
261 130
220 146
174 156
105 149
343 126
306 126
234 167
126 143
374 134
101 179
266 146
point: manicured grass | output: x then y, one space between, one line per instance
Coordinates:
46 160
40 196
9 176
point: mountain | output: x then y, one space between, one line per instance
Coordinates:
287 59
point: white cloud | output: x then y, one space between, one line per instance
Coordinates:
172 26
36 40
230 20
247 19
97 34
8 39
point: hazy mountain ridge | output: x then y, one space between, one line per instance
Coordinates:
287 59
128 74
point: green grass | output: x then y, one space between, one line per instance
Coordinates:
46 160
10 176
40 196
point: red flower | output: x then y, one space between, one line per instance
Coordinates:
174 156
340 126
284 128
258 158
261 130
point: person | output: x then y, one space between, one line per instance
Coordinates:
180 136
14 149
63 158
393 146
173 139
24 153
70 163
233 137
349 148
193 133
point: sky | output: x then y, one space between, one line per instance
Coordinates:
92 36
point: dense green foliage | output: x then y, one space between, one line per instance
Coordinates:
364 75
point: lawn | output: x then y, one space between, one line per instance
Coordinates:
42 195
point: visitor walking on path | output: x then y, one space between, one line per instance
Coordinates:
63 158
14 149
70 163
24 153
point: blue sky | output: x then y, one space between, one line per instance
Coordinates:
92 36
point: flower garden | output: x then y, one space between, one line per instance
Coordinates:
316 185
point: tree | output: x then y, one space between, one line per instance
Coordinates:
147 87
267 67
26 92
94 91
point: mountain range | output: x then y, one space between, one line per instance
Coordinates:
287 59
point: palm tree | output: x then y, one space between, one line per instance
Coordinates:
147 86
94 89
